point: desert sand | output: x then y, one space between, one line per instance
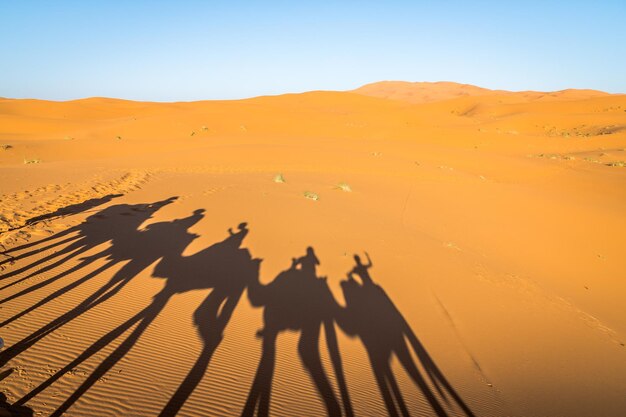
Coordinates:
198 258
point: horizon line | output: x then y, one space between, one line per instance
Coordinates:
313 91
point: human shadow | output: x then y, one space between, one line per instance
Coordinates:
8 410
54 240
297 300
372 316
224 267
140 248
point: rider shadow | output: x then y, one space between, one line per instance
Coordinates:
297 300
224 267
227 269
140 248
371 316
57 239
113 223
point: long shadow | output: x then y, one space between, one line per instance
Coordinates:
297 300
139 247
55 239
225 267
73 209
371 315
97 229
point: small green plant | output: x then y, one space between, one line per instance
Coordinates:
311 195
192 133
344 187
31 161
279 179
118 137
5 147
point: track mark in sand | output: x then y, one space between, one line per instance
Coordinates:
14 215
204 193
458 336
526 286
30 207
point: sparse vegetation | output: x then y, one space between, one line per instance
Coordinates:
205 129
279 179
311 195
617 164
118 137
193 132
31 161
582 131
550 156
5 147
344 187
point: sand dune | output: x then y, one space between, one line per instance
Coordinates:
426 92
153 264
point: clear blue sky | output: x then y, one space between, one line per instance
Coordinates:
191 50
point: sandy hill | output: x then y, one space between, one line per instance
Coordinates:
426 92
421 92
489 228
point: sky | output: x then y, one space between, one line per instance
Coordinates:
194 50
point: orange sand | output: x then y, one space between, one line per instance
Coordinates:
495 223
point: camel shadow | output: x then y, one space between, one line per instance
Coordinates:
371 315
55 240
227 269
118 225
297 300
224 267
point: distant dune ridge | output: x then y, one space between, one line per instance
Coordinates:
426 92
432 249
422 92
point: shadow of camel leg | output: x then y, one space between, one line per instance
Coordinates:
34 251
395 390
93 300
261 389
73 252
212 336
381 370
89 352
308 347
335 356
407 362
58 293
150 313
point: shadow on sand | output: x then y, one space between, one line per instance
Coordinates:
296 300
371 316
